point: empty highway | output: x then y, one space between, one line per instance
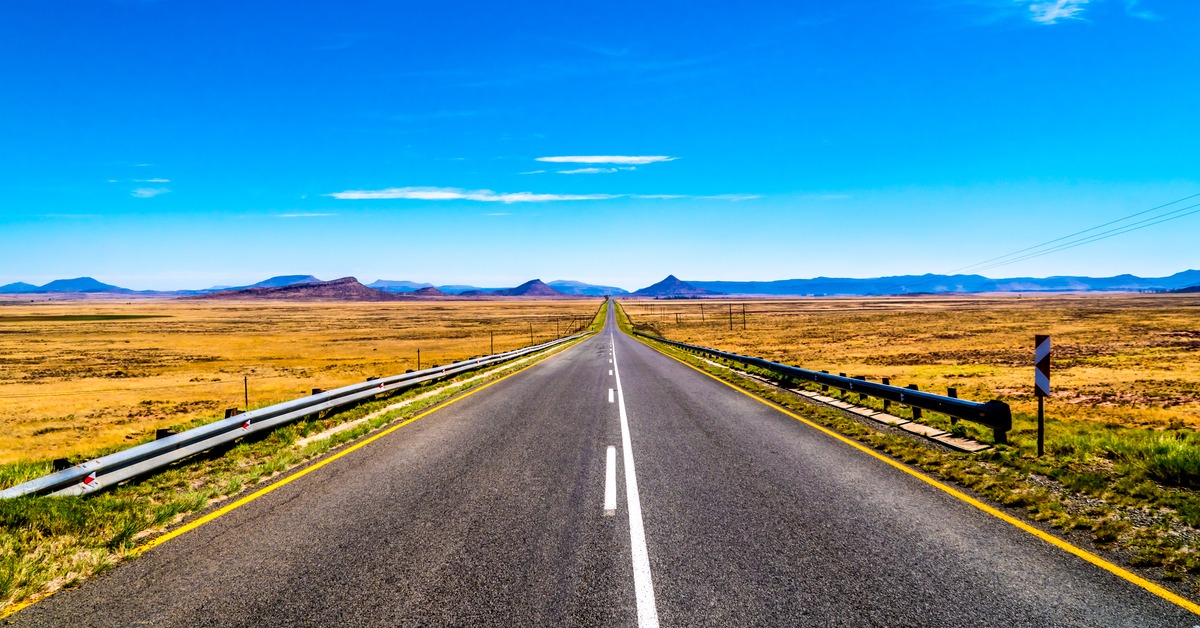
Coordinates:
506 508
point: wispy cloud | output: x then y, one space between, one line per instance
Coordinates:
1051 11
488 196
588 171
628 160
533 172
304 215
151 180
1132 8
148 192
458 194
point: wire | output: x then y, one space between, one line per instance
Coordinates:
1104 235
1111 222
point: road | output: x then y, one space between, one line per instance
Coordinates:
491 511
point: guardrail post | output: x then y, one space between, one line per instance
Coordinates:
952 393
61 464
841 394
861 395
229 412
916 412
317 391
163 432
887 381
824 388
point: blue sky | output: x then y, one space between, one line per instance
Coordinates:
180 144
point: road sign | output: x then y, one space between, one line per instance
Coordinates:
1041 358
1041 384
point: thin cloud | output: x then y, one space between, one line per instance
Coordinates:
310 215
148 192
533 172
488 196
588 171
151 180
1131 7
1051 11
458 194
627 160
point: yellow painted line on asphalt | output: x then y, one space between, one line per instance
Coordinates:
1124 574
212 516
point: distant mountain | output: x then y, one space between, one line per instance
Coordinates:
1189 289
344 289
672 287
388 285
580 288
80 284
462 289
534 288
930 283
427 291
283 280
19 287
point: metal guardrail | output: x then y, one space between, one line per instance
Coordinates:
994 414
106 471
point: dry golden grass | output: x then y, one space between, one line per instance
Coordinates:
83 376
1132 360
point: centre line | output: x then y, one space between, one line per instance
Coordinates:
610 371
610 395
643 585
610 482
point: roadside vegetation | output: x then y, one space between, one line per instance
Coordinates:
78 377
48 543
1119 477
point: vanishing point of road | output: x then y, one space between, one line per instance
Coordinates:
608 485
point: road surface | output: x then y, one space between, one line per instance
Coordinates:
492 511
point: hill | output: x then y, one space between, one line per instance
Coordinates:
585 289
427 291
80 284
672 287
388 285
344 289
931 283
534 288
283 280
19 287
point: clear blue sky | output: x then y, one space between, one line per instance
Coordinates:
180 144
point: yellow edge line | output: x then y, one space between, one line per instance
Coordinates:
1045 536
224 510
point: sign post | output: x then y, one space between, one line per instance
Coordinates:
1041 384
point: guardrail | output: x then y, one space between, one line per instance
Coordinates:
993 414
90 476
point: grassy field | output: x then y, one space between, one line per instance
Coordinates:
1122 463
49 543
77 378
1128 360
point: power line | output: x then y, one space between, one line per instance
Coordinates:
1077 233
1141 224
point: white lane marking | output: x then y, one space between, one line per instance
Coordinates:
610 395
610 482
643 584
610 371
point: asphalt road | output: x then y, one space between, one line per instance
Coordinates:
492 512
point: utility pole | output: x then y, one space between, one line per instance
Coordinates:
246 390
701 312
743 317
730 317
556 334
531 333
492 336
418 359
